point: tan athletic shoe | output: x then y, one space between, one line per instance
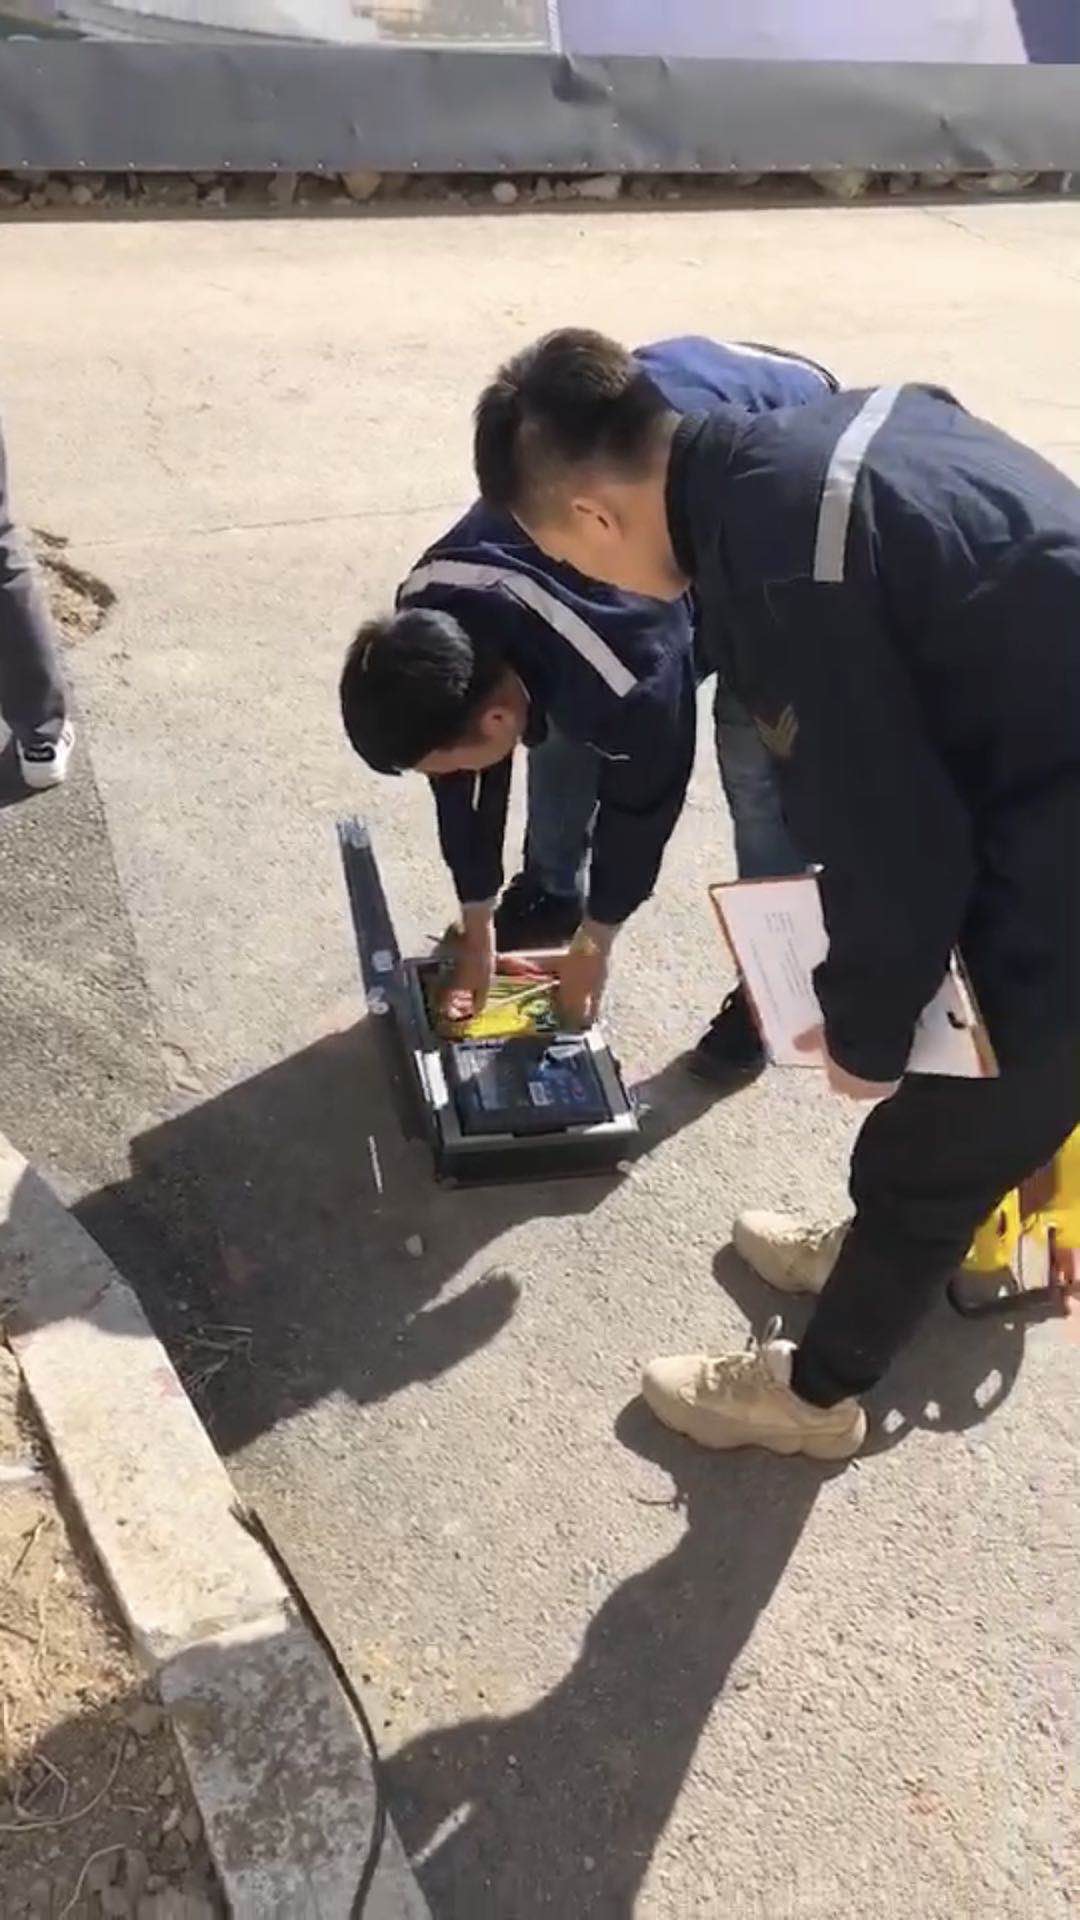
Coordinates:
791 1254
745 1400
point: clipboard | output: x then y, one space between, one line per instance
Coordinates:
776 933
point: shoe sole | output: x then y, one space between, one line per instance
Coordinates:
814 1446
725 1079
40 781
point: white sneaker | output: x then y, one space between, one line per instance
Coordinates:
745 1400
44 763
791 1254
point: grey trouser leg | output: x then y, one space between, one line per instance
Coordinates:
32 698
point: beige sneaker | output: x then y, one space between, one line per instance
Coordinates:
745 1400
789 1253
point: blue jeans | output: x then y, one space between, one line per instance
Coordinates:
564 778
764 850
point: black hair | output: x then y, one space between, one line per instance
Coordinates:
571 399
413 682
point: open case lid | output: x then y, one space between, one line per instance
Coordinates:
376 941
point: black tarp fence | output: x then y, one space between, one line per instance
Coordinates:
540 85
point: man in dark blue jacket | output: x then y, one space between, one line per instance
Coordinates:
893 590
609 713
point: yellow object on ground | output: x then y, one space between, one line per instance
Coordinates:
1046 1209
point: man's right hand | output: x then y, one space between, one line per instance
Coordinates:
474 966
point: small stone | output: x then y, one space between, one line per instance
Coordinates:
282 188
599 186
504 193
38 198
215 197
191 1827
173 190
81 195
57 192
362 185
543 189
166 1787
642 188
842 183
415 1245
172 1851
933 181
564 189
102 1872
747 179
171 1821
155 1883
136 1871
1003 182
144 1719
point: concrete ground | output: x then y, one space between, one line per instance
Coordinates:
612 1676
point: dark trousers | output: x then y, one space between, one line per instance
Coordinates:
32 698
928 1167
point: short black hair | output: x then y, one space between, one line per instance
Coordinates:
413 682
571 399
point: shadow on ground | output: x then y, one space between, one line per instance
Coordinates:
274 1259
13 788
597 1764
267 1233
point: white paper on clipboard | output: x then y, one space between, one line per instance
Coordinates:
776 931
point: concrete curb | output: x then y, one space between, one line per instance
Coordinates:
278 1761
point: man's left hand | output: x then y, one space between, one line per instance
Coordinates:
583 973
838 1077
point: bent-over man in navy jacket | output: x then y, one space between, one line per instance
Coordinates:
892 588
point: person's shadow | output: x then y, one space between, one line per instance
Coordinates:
557 1810
288 1240
13 788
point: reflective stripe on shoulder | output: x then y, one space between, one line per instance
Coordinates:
753 350
529 593
841 479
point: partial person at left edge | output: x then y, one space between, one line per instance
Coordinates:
33 698
494 644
